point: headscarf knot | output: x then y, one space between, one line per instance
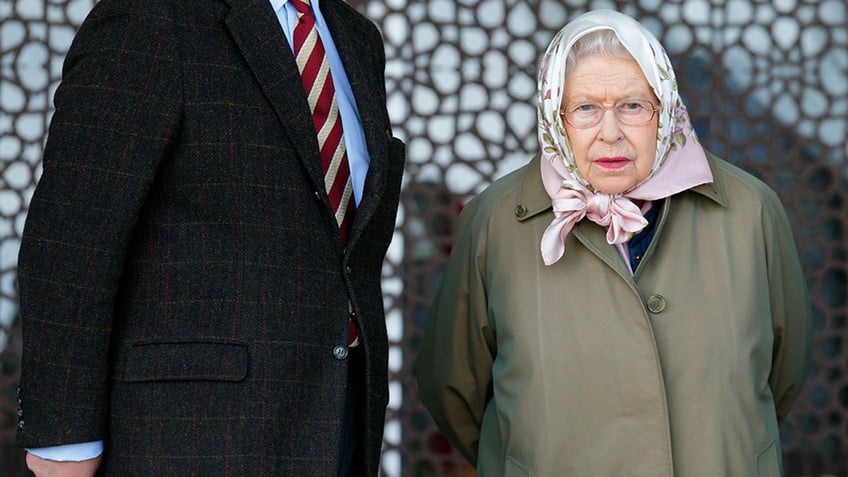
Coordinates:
621 217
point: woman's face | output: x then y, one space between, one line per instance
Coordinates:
611 156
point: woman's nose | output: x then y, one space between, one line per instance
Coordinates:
610 129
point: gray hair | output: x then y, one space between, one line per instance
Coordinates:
603 43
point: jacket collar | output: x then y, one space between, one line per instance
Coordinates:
532 199
715 190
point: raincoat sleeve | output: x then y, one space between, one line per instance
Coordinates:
454 364
790 305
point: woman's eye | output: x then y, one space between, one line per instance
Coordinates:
585 108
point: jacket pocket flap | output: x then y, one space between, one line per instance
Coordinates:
186 361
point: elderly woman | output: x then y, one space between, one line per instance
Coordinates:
626 304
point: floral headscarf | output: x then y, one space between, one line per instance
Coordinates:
680 162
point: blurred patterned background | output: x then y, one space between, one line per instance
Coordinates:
766 83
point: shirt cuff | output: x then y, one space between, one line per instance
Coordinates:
70 452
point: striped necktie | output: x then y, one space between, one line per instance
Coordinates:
318 83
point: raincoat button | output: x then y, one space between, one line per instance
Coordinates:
656 303
520 211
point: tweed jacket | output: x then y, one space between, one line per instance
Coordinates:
185 294
581 369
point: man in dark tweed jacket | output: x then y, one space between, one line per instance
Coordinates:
186 295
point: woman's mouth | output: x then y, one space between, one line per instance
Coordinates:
612 162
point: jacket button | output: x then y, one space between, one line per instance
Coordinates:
520 211
340 352
21 424
656 303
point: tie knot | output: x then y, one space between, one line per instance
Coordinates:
302 6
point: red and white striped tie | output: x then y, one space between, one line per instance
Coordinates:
318 84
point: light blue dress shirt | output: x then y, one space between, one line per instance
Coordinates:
357 155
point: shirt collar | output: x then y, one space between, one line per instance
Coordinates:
278 4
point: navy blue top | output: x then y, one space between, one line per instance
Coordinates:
639 242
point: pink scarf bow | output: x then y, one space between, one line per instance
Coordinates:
619 215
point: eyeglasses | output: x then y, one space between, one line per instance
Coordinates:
630 112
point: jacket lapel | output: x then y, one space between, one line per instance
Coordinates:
594 238
257 33
351 46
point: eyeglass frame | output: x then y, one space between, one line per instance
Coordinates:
610 107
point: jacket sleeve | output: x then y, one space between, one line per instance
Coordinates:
790 305
454 364
116 112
